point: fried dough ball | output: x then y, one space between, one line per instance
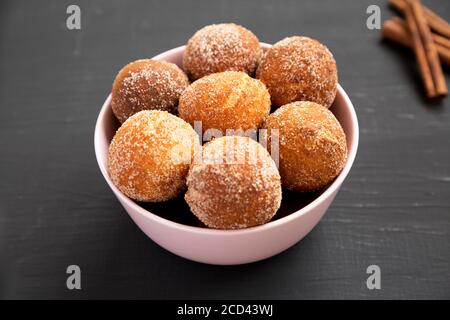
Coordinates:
312 145
299 69
226 100
147 85
221 47
150 155
236 185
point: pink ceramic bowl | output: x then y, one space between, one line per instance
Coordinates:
228 247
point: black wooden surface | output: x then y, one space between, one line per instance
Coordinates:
56 210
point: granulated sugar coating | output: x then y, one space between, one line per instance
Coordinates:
312 145
236 185
147 85
150 155
299 69
226 100
221 47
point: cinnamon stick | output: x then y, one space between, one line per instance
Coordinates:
439 40
425 50
430 48
396 30
420 53
435 22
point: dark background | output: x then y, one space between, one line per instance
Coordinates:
56 209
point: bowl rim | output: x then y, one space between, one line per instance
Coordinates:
333 187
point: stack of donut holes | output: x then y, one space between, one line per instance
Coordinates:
227 85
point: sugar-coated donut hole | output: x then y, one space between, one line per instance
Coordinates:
312 145
225 101
221 47
147 84
150 155
299 69
236 185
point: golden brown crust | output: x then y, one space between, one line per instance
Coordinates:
299 69
147 85
312 145
237 185
226 100
221 47
150 154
